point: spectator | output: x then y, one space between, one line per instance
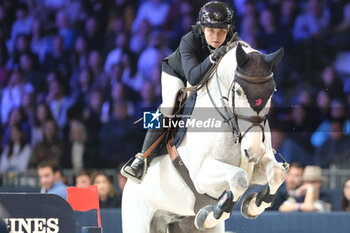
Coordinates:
39 43
51 180
138 41
115 55
323 131
93 116
288 13
50 149
334 147
108 196
12 94
313 22
345 200
314 200
78 153
42 114
4 56
118 137
331 83
16 155
271 36
291 150
95 63
17 116
82 179
31 73
84 86
93 34
155 11
292 181
58 58
65 30
79 57
59 103
23 22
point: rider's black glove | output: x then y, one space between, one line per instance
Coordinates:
219 52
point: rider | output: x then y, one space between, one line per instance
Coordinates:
198 51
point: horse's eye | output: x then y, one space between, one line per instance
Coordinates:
238 92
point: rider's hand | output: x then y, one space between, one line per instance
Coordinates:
219 52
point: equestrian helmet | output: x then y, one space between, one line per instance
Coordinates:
216 15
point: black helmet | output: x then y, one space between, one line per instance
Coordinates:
216 15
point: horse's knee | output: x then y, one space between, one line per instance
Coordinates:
239 183
276 175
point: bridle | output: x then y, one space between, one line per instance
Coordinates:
232 119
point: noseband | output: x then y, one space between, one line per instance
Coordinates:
232 120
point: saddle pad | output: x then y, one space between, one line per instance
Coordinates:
187 111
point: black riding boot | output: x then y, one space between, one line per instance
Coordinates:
137 169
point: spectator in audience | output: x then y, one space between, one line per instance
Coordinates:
345 200
313 22
95 63
331 83
12 94
334 147
15 157
78 154
17 116
83 88
108 196
138 40
23 22
155 11
79 56
4 56
93 34
39 43
292 181
288 12
65 30
59 103
28 106
51 180
42 114
31 73
314 200
323 131
284 144
93 116
118 137
51 148
271 36
58 58
82 179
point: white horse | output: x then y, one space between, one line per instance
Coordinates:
217 161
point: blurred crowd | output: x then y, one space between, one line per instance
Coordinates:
75 75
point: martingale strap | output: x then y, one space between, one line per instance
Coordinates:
201 200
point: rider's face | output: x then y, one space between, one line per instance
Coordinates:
215 37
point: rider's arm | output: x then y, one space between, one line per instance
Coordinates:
193 69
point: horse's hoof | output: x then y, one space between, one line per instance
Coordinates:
245 204
202 216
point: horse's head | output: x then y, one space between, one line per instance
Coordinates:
251 93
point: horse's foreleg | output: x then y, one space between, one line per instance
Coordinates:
214 177
255 203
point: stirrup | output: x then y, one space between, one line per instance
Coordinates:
130 176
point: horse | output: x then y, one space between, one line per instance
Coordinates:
230 159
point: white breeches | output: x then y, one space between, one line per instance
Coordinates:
170 87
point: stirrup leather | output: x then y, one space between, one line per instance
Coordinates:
130 176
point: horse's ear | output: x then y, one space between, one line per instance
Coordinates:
241 56
274 58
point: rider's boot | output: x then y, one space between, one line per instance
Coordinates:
137 169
